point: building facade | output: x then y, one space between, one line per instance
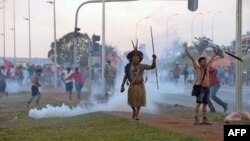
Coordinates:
245 44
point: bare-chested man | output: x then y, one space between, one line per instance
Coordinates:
202 98
34 88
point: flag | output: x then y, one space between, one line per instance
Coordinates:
7 65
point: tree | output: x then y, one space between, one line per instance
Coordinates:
111 53
65 49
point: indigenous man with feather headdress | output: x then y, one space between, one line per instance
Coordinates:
134 75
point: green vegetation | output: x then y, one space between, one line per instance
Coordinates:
16 125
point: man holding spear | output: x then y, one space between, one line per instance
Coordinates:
134 74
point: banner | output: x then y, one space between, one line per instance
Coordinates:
7 65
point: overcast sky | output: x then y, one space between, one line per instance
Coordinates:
121 19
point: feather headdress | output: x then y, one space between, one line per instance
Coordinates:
135 52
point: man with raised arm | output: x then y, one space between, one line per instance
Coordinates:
201 69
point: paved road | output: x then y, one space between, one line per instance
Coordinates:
181 94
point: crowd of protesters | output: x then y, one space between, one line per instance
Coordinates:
22 75
186 74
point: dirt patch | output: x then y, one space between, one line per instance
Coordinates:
182 125
174 119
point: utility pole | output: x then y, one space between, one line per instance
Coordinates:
14 28
103 46
238 90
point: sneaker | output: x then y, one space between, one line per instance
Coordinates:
196 121
225 107
205 121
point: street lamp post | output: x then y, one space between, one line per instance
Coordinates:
29 33
76 29
192 25
14 28
213 22
202 21
29 20
3 29
55 42
167 27
238 43
103 46
138 24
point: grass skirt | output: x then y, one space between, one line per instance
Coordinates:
137 95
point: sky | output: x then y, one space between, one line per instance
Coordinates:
121 21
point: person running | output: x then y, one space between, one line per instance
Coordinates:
201 69
185 73
134 74
68 83
25 77
109 74
176 72
34 88
2 84
214 87
78 77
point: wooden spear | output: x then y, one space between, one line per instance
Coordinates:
154 54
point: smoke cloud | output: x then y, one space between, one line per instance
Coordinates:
12 86
116 102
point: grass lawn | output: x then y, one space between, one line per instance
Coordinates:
15 125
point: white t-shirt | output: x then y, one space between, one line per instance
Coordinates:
4 72
66 75
12 72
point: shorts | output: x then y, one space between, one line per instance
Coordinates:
69 86
2 87
34 91
203 96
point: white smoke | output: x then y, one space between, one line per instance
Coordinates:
12 86
56 111
117 102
